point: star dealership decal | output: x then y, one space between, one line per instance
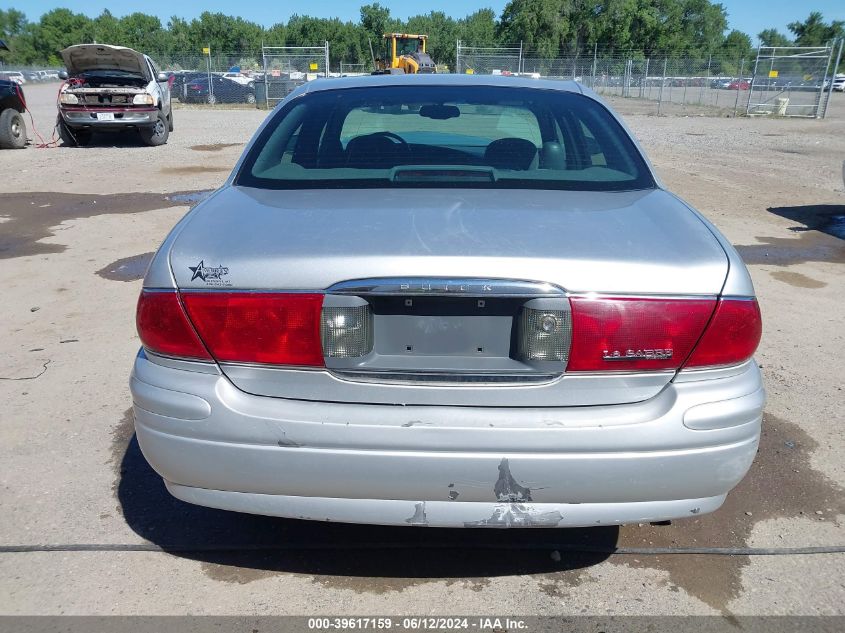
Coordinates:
211 275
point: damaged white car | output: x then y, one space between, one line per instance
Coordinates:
110 89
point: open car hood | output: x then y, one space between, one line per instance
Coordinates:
86 57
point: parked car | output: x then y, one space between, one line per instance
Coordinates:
12 107
486 312
739 84
222 91
839 83
31 76
111 89
240 78
177 81
13 75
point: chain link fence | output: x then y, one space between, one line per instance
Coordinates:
793 81
254 78
488 60
724 80
285 68
353 70
784 81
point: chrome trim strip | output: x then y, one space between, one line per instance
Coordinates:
249 365
446 286
610 295
442 378
243 291
532 289
174 362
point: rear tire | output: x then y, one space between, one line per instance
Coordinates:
170 121
157 134
211 99
250 97
72 138
12 130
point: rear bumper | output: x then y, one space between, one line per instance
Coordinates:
448 466
445 513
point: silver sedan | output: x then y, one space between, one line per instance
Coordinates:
448 301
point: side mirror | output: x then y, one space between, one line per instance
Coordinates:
62 74
162 77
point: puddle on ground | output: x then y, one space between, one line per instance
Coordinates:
188 170
128 268
191 197
779 484
352 579
121 436
33 216
798 280
214 147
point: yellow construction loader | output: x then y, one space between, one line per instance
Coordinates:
404 53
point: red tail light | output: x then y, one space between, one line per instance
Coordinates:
273 328
732 336
164 327
622 334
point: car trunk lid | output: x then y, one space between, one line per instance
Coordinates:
488 253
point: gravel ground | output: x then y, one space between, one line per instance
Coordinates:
75 228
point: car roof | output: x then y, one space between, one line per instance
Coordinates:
441 79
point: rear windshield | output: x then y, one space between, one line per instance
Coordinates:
444 136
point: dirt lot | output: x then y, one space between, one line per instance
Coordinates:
76 229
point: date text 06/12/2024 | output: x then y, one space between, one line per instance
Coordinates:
410 623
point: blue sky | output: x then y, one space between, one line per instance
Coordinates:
745 15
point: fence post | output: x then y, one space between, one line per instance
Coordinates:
645 78
595 57
266 79
458 56
519 62
706 81
832 76
739 84
662 81
753 77
208 66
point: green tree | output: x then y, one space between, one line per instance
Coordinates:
814 31
375 20
142 32
17 32
773 37
478 28
12 23
442 33
737 45
541 25
58 29
106 29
